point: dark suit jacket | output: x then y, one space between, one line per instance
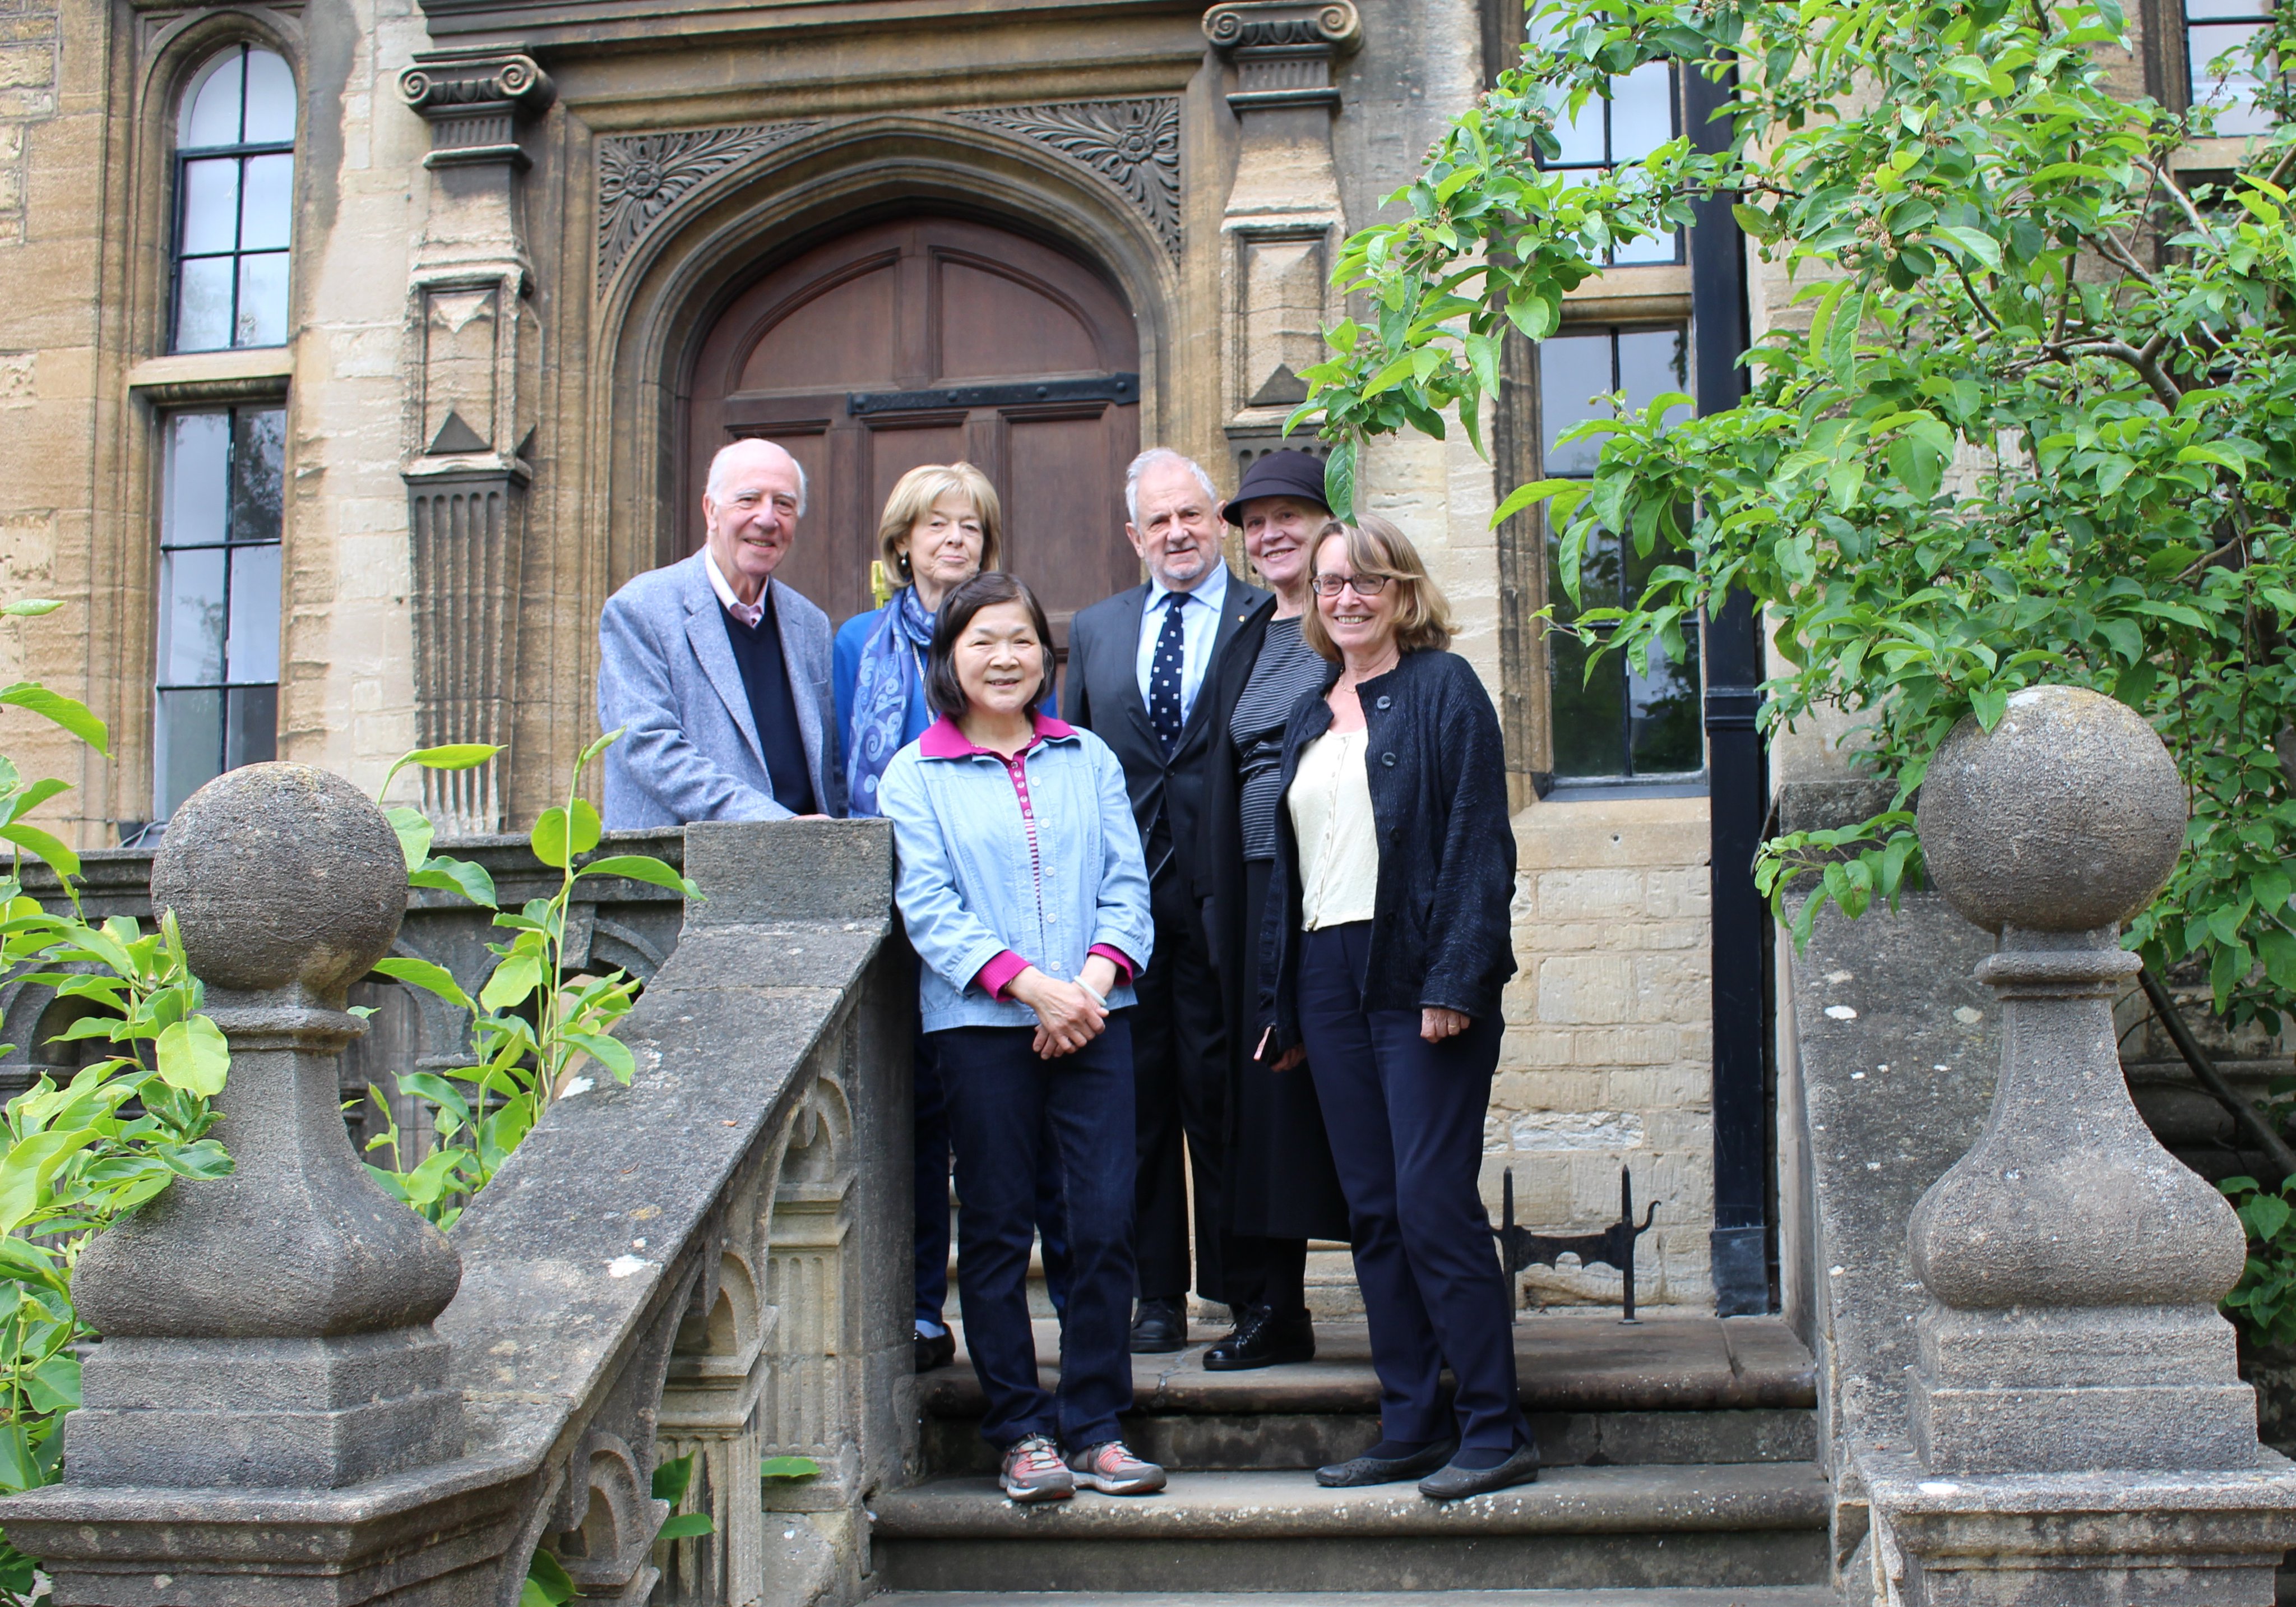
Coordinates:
1103 697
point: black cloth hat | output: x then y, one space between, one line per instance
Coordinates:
1285 473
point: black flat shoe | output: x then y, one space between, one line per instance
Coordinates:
1158 1327
935 1350
1456 1483
1264 1339
1385 1469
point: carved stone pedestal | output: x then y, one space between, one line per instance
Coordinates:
2082 1435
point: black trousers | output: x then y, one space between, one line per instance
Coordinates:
1179 1079
1406 1119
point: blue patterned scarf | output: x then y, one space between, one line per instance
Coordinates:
890 675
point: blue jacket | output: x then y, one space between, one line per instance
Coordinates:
667 676
969 889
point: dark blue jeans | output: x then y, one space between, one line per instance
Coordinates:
1014 1119
932 1198
1406 1120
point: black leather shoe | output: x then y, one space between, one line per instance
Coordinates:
1385 1469
1158 1327
1264 1339
1456 1483
935 1350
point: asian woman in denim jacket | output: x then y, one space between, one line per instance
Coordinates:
1025 894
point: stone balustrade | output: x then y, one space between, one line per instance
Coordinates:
712 1261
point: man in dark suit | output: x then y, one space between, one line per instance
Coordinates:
1136 662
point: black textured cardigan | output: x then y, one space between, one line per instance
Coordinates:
1440 936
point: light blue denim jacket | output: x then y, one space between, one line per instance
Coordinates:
966 888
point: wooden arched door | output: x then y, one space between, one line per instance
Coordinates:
925 341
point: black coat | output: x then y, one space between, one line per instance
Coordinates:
1101 694
1281 1181
1441 936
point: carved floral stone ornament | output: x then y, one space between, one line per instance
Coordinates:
1134 146
641 177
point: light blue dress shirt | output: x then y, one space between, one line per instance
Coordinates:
1199 623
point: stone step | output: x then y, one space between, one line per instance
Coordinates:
1578 1528
1782 1596
1672 1390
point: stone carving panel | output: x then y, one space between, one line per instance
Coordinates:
1131 145
641 177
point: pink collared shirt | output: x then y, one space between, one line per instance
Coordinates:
748 614
943 739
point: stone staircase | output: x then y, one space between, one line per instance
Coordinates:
1680 1472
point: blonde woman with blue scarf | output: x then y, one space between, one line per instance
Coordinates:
941 527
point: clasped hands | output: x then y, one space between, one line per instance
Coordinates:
1068 1015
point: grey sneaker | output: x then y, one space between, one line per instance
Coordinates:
1034 1472
1112 1469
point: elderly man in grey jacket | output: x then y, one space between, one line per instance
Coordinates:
718 677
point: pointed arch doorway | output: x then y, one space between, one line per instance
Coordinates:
926 339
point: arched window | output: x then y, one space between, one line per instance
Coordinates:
234 192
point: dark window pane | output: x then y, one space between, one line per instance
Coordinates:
1653 362
258 474
210 205
1573 369
1642 111
1664 732
1588 717
262 301
198 455
251 735
253 650
266 186
211 108
188 749
191 617
203 305
270 100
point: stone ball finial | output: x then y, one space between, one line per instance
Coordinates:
280 876
2066 817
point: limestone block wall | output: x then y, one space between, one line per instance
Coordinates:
1609 1050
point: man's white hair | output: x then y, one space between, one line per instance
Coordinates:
715 488
1148 460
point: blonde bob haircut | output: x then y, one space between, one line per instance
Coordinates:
1375 547
914 496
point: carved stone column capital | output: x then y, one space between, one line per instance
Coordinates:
1283 50
475 100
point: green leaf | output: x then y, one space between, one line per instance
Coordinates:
789 1467
547 1582
430 978
472 880
1989 704
555 841
2265 1216
671 1479
414 833
612 1054
686 1526
641 868
68 712
54 1386
50 850
1339 482
194 1056
25 608
1976 243
513 980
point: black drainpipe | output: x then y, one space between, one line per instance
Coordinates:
1737 777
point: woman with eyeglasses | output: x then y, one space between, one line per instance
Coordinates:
1386 943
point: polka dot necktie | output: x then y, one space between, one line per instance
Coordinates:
1164 671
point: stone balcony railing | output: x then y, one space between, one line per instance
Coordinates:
712 1261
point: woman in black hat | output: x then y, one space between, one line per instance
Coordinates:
1283 1190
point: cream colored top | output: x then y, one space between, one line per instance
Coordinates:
1329 801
